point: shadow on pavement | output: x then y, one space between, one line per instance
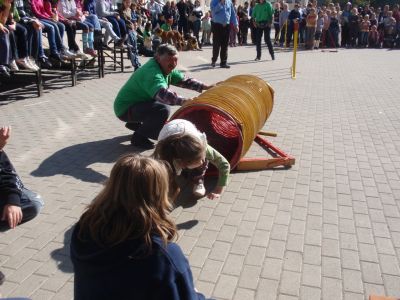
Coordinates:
75 160
62 256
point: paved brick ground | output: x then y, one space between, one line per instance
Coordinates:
328 228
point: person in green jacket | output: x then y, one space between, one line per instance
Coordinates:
143 101
186 150
262 18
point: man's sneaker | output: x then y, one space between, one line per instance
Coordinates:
44 63
4 72
141 142
13 66
225 66
67 55
199 190
213 64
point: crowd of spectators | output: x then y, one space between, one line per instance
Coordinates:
132 25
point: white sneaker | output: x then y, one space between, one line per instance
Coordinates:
13 66
81 55
66 54
32 63
25 63
199 190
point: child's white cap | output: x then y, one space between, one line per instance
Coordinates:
180 126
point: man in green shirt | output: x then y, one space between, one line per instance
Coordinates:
143 102
262 16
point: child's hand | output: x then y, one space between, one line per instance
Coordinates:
216 193
5 132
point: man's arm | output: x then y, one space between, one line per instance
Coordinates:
192 84
166 96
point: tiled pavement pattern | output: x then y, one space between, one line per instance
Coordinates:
328 228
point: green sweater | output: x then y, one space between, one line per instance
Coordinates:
220 162
263 12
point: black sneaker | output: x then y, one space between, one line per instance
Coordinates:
273 56
257 58
44 63
133 126
4 72
213 64
141 142
225 66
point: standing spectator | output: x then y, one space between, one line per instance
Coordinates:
17 203
293 17
206 28
252 28
344 20
122 246
311 25
277 11
244 23
373 37
318 30
183 10
262 16
197 13
354 27
223 13
283 24
175 16
365 24
232 29
334 30
155 10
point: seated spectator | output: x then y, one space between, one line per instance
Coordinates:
17 203
68 9
34 33
5 47
18 42
70 27
143 102
89 9
122 246
54 29
104 10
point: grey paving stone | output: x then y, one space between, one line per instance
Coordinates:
211 271
293 261
290 283
233 265
249 277
267 289
311 275
352 281
310 293
331 267
331 288
225 287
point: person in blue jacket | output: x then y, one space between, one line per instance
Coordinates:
121 248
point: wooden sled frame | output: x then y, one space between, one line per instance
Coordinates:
280 158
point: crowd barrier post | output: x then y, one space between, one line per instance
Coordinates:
295 42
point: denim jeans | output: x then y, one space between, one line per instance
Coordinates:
133 54
118 26
31 204
55 32
5 49
94 21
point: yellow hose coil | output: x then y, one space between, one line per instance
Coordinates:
247 99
